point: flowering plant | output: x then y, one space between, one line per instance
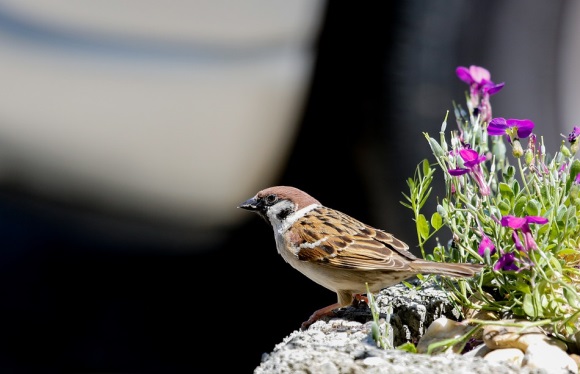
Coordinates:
512 207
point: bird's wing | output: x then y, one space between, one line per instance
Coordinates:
335 239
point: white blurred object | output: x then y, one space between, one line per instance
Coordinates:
178 110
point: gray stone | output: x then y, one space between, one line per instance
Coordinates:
344 344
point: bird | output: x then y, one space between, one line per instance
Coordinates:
338 251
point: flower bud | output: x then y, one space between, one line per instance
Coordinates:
529 157
442 211
565 151
436 148
517 149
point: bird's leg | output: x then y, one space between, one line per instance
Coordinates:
357 298
322 312
343 300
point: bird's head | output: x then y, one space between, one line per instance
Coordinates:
276 204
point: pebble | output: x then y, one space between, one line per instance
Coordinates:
442 329
542 355
509 355
497 336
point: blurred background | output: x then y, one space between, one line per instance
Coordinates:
131 130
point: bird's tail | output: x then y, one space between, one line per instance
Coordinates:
455 270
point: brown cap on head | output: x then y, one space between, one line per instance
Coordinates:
297 196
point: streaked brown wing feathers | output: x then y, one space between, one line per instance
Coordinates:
336 239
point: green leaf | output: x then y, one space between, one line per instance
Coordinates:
407 347
554 233
572 298
424 199
520 206
574 169
376 332
571 213
408 285
567 251
560 214
426 167
517 311
544 193
544 303
554 262
538 302
523 287
516 187
436 221
422 226
533 208
506 190
529 306
504 207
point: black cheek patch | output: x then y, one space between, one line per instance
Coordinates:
283 214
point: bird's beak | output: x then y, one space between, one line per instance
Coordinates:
250 204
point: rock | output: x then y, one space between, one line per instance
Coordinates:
408 311
498 336
576 358
513 356
541 355
443 329
325 347
341 345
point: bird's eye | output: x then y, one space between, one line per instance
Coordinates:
271 199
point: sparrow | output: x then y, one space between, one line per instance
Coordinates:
338 251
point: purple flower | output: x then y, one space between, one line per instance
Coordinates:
572 139
478 78
506 262
521 224
471 161
574 134
480 86
577 179
513 129
517 241
486 243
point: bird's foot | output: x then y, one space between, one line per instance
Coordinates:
322 312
